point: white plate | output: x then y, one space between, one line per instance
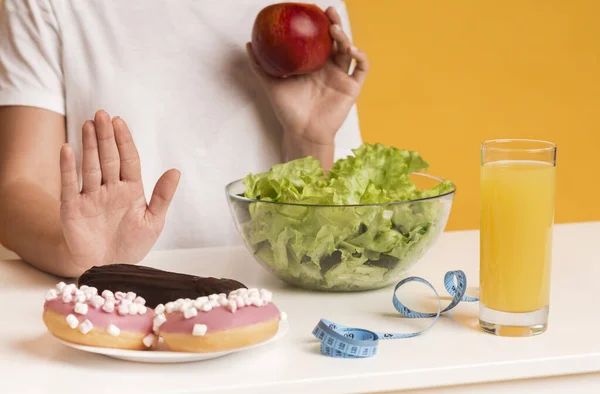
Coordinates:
168 357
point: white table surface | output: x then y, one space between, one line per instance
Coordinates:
453 352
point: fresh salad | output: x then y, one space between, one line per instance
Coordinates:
328 234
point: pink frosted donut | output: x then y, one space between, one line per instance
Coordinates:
82 316
218 322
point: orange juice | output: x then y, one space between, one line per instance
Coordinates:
517 213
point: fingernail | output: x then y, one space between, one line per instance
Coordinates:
337 27
354 49
102 114
120 122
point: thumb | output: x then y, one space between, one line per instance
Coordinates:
264 78
163 193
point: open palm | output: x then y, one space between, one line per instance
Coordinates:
108 220
314 106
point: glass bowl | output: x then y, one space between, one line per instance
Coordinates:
340 247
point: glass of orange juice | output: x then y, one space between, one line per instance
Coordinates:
518 179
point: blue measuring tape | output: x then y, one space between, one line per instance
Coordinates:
347 342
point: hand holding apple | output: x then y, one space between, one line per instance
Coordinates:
314 99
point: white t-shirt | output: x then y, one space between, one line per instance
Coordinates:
176 71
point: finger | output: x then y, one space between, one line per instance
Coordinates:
342 41
256 68
90 168
107 148
362 65
333 15
342 56
130 159
68 174
163 193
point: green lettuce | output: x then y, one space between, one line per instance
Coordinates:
322 238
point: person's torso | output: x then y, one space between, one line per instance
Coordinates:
177 72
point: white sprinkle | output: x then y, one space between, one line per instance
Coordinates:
108 294
86 326
159 320
223 301
232 306
253 290
60 286
241 290
214 303
113 330
119 295
142 309
202 299
80 298
72 321
258 302
240 302
169 307
82 288
66 298
90 292
70 288
283 316
97 301
190 312
130 295
185 306
125 301
179 303
213 297
81 309
198 304
109 306
123 309
207 306
149 340
134 309
266 295
139 301
160 308
51 295
199 330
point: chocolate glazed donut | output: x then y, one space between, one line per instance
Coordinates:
156 286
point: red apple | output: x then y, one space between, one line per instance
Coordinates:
291 39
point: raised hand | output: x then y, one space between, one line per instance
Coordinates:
108 219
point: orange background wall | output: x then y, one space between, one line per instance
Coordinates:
447 75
